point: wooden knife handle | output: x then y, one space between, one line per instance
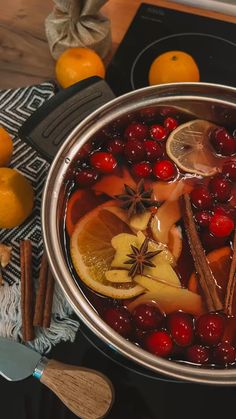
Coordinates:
86 392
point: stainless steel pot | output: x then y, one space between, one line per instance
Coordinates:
213 102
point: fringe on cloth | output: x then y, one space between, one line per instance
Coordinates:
15 107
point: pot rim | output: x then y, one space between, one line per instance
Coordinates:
54 250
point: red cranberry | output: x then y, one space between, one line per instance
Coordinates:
220 210
220 188
229 170
198 354
203 218
148 114
136 131
164 170
159 343
134 151
103 162
211 242
147 317
223 142
224 354
142 169
221 225
153 150
115 146
180 326
227 210
170 123
209 328
86 176
119 319
158 132
201 198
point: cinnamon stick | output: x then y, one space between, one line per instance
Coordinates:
206 278
41 293
27 299
228 307
48 300
44 298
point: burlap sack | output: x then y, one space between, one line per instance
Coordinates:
78 23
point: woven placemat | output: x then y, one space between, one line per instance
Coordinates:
15 107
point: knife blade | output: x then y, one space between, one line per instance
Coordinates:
86 392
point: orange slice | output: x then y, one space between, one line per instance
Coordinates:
80 203
92 252
190 148
219 261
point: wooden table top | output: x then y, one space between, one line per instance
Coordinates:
24 54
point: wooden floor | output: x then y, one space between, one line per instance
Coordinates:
24 54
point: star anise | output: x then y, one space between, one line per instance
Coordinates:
137 200
140 258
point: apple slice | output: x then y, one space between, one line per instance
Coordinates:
122 244
161 272
169 298
113 185
163 191
166 216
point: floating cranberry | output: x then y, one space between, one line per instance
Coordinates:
229 170
103 162
148 114
220 188
116 146
86 176
201 197
158 132
119 319
170 123
223 142
164 170
159 343
198 354
153 150
180 326
209 328
203 218
224 354
142 169
147 317
221 225
211 242
134 151
136 131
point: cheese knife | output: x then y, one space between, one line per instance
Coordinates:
86 392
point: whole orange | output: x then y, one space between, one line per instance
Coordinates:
16 198
173 66
6 147
76 64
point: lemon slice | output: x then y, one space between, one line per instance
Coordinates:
92 252
190 148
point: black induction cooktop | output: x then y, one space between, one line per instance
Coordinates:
155 30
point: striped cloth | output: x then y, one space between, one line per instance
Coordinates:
15 107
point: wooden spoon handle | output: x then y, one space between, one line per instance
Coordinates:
86 392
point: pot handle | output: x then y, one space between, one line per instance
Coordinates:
46 129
